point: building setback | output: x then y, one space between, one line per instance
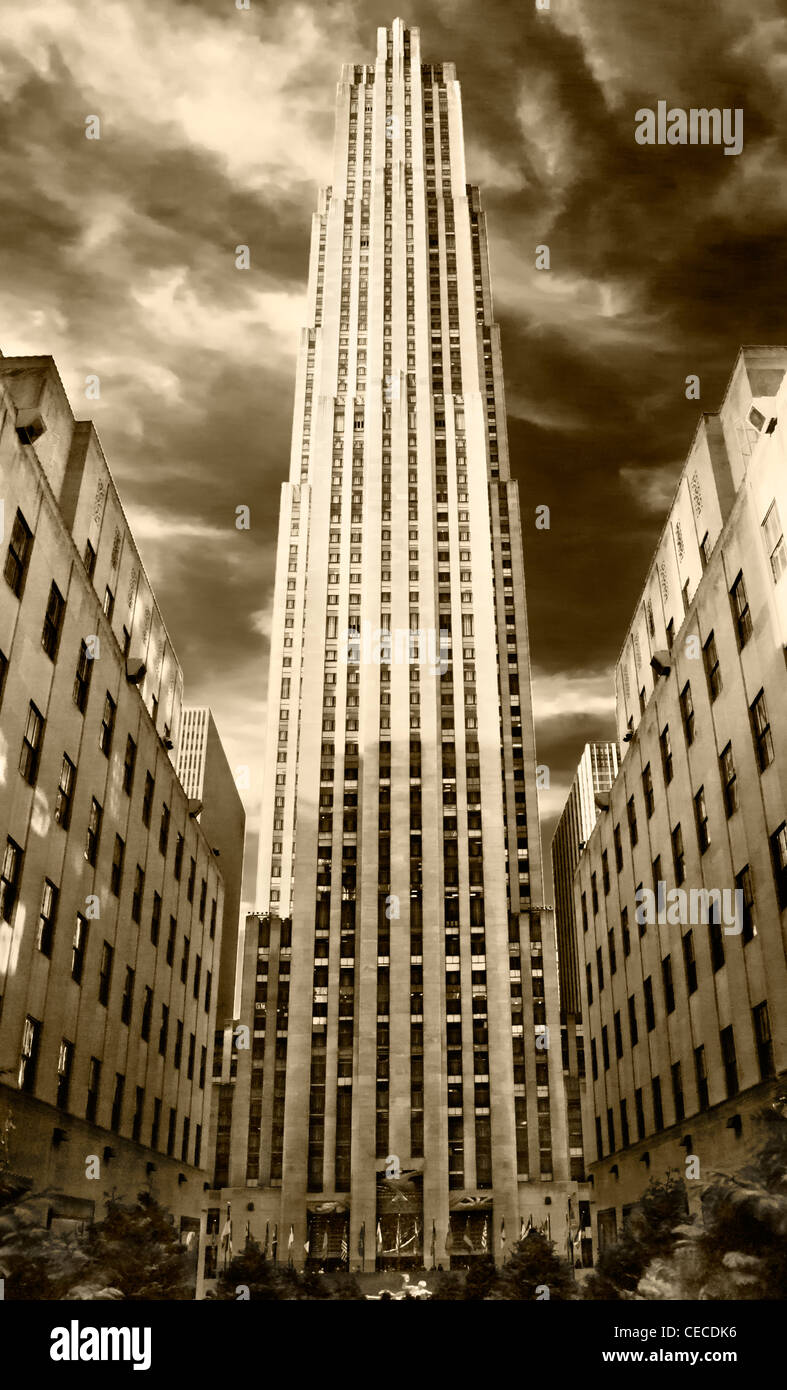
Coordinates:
110 896
417 996
687 1018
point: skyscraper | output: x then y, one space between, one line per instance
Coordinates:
416 991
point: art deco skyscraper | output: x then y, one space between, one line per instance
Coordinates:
400 824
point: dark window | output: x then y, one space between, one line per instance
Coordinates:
593 1059
618 849
203 1063
155 919
589 974
109 603
18 557
127 1000
762 1035
178 856
3 673
31 1047
90 560
116 872
647 789
93 832
669 988
701 1073
779 859
31 745
65 1067
650 1013
678 855
761 732
712 669
687 712
618 1035
184 961
605 1047
600 969
665 744
129 764
82 677
716 937
105 973
690 962
658 1109
584 911
208 987
47 917
136 1123
611 1130
701 817
192 877
744 883
213 909
173 928
163 1030
633 1028
184 1148
640 1113
599 1140
163 835
594 893
729 783
624 931
147 798
155 1127
171 1132
605 871
613 958
203 897
93 1084
65 793
677 1092
728 1057
741 615
632 819
191 1056
117 1102
147 1014
78 948
53 622
178 1050
139 890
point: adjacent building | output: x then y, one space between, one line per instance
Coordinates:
401 1101
681 891
111 896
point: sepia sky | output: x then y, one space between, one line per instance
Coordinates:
117 257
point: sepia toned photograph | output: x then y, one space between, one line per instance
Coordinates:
393 669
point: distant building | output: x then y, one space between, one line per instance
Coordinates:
111 898
687 1016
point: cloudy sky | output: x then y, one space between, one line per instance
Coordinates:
116 256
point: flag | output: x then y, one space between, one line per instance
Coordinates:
226 1236
485 1235
398 1234
530 1226
325 1242
267 1234
379 1238
503 1234
345 1246
466 1238
434 1241
522 1231
275 1242
306 1246
248 1232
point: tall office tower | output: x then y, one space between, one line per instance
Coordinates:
684 991
400 823
208 780
594 776
110 895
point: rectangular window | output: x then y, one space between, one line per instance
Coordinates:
93 837
116 873
163 1030
178 865
640 1113
761 731
669 988
584 911
65 793
31 1046
678 855
589 977
728 780
18 557
129 764
192 878
605 872
82 677
105 973
178 1050
712 669
107 729
741 615
701 818
147 1014
633 1027
632 819
203 897
208 987
728 1057
155 919
163 834
65 1066
3 673
647 789
136 1123
46 918
191 1056
650 1013
173 928
716 939
109 603
138 894
594 893
117 1103
127 999
744 883
171 1132
773 537
90 560
618 849
147 799
701 1073
31 745
618 1035
600 969
778 841
613 957
624 931
666 754
93 1085
594 1059
79 948
762 1036
605 1047
690 962
155 1128
53 622
687 712
658 1109
184 960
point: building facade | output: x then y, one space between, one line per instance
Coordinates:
684 984
110 895
417 995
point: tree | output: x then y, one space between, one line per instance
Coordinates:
251 1270
649 1233
534 1269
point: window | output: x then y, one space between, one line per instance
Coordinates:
613 958
178 1050
82 677
129 763
677 1093
93 1084
93 832
191 1056
31 745
745 885
741 615
589 977
647 789
171 1132
701 817
155 919
213 910
137 895
53 622
600 969
116 875
105 973
605 871
208 987
669 988
624 931
705 550
678 855
136 1123
203 1064
65 1066
605 1047
632 819
650 1013
178 865
156 1125
728 1057
109 603
763 1039
163 834
192 877
203 897
117 1102
128 996
690 962
46 919
618 1035
18 557
78 948
584 911
163 1030
761 732
640 1113
147 798
594 893
184 961
65 793
773 536
666 754
712 669
687 712
728 780
173 928
3 673
779 859
701 1073
594 1059
618 849
633 1027
658 1109
31 1046
90 560
147 1014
